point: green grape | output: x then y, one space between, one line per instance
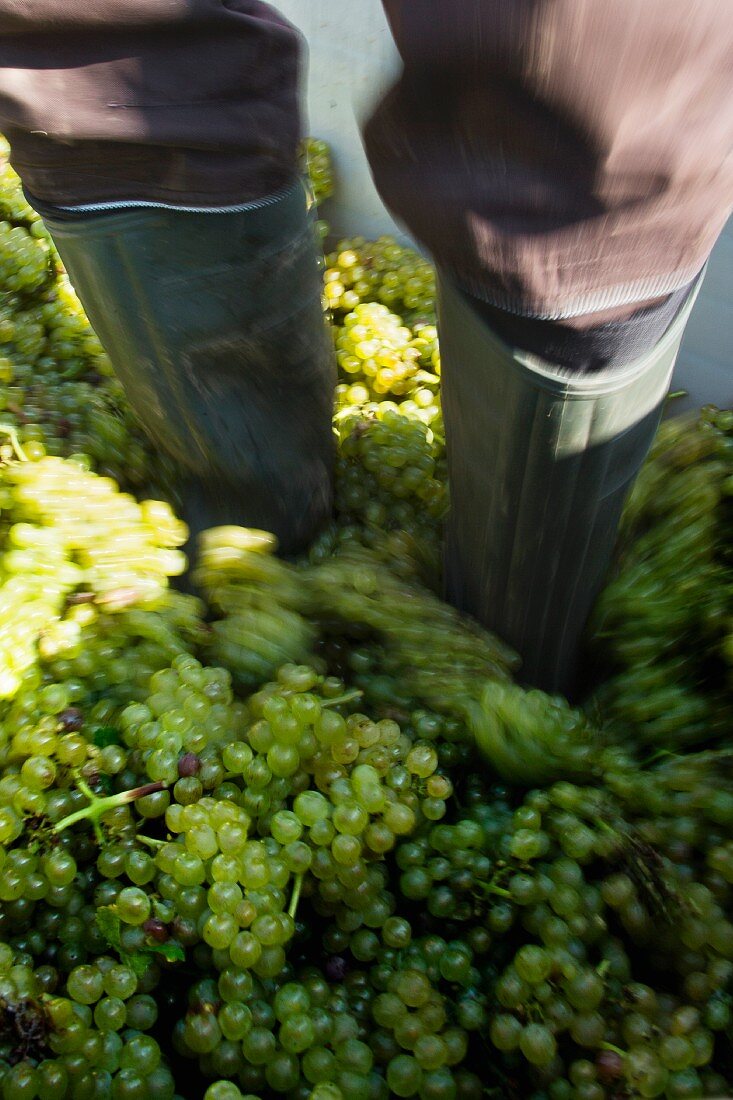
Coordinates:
133 905
85 984
404 1075
380 271
506 1032
537 1044
316 155
142 1012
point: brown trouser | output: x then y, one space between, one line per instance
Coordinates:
562 159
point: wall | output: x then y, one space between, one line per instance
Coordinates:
705 367
351 60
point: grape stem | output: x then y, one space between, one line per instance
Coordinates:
603 825
347 697
490 888
295 898
98 807
150 841
10 431
614 1050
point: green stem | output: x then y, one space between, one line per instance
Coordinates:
660 754
11 432
297 885
613 1049
490 888
348 697
85 788
151 841
98 807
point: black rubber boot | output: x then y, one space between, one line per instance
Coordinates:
215 327
540 465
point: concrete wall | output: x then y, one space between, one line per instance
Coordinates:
351 60
705 367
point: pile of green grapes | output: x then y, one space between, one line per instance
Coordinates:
663 627
316 157
380 271
306 835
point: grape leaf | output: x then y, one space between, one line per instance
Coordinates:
110 926
138 962
172 951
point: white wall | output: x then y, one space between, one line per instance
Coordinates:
705 366
351 59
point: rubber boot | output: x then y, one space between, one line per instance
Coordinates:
539 465
215 327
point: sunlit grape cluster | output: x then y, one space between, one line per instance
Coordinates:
23 261
69 530
385 369
380 271
379 354
319 169
13 204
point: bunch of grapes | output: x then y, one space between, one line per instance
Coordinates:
91 1041
61 393
575 904
383 272
260 601
114 542
24 260
447 870
382 357
56 383
663 622
14 206
316 156
63 531
427 1011
295 1037
22 339
419 376
390 477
